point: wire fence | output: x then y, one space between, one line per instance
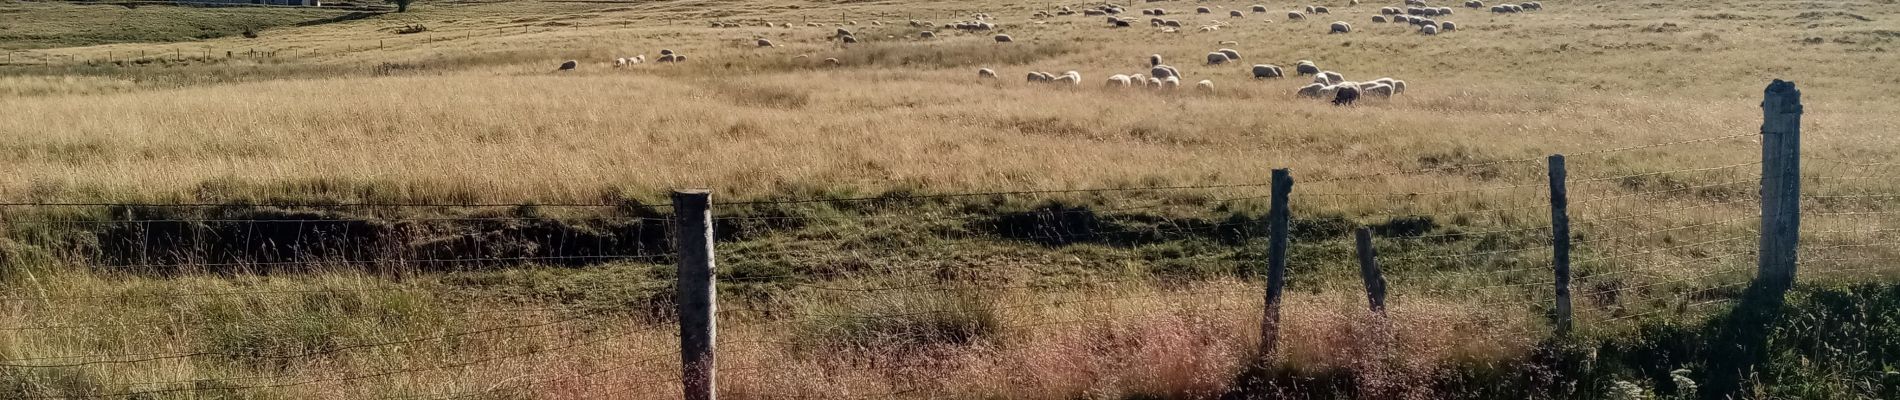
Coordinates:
803 279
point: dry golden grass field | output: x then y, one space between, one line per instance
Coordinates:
371 246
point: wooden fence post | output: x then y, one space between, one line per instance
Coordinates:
1278 213
1369 270
1560 240
1780 184
692 217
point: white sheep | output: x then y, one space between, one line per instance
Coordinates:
1309 9
1429 30
1312 90
1171 82
1259 8
1320 10
1295 15
1216 58
1119 80
1378 90
1004 39
1340 27
1398 86
568 65
844 32
1154 60
1378 19
1138 78
1332 78
1306 68
1448 26
666 52
1172 23
1205 85
620 62
1154 83
832 61
849 39
765 43
1230 53
1264 71
1235 14
1474 4
986 73
1035 77
1162 71
1070 78
926 34
1203 10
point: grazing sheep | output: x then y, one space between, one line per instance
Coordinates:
620 62
1474 4
1162 71
1429 30
1306 69
1378 90
1259 8
926 34
1154 60
844 32
1071 78
1378 19
1138 78
986 73
638 59
1216 58
1036 77
1161 12
1230 53
1312 90
666 52
1119 80
1388 10
1171 23
765 43
1210 28
1147 12
1309 10
1121 23
1320 10
1264 71
1333 78
1444 11
679 58
568 65
1532 6
1235 14
1203 10
1154 83
1171 82
1345 95
1205 86
849 39
1004 39
1340 27
1447 26
1398 86
1401 19
832 61
1295 15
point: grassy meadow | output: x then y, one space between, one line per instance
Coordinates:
376 214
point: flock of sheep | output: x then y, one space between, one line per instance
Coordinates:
1326 84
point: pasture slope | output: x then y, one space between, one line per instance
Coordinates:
265 202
